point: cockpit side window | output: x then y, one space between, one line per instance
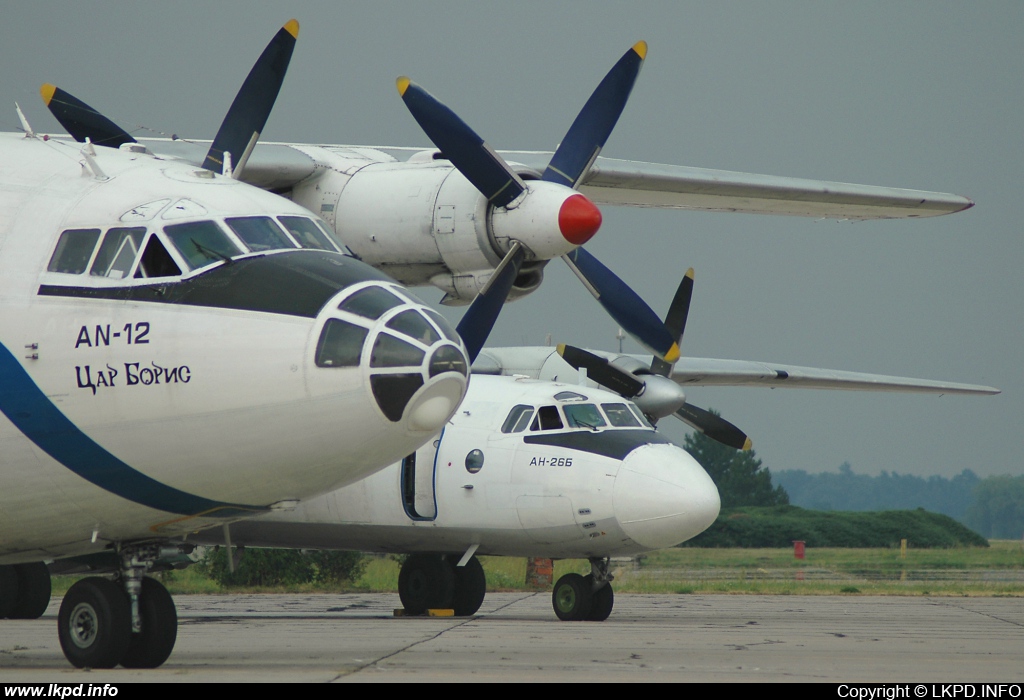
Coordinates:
583 415
259 233
547 419
640 415
620 416
518 418
74 249
201 243
117 252
307 234
156 261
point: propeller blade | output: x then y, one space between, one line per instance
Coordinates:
476 324
248 114
715 427
675 320
81 120
588 133
615 379
469 153
623 304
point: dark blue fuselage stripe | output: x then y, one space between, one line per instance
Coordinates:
34 414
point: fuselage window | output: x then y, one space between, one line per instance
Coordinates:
620 416
583 415
307 234
547 419
340 344
156 261
117 252
518 418
201 243
259 233
74 250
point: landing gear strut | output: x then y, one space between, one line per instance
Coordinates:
576 598
131 621
433 581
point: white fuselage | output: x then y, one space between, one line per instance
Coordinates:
559 492
139 403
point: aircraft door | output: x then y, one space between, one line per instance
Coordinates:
419 495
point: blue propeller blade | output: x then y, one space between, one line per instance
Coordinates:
248 114
477 322
587 135
675 320
624 305
81 120
469 153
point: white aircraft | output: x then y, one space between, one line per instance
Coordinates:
179 349
450 216
533 465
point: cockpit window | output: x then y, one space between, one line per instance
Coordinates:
389 351
156 261
445 327
259 233
340 344
370 302
307 234
570 396
620 416
415 326
201 243
117 252
74 250
583 415
518 418
547 419
640 415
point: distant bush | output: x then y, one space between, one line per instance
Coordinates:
779 526
282 567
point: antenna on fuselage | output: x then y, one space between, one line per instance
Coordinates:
29 134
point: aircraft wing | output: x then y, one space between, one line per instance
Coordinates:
545 363
279 166
638 184
697 371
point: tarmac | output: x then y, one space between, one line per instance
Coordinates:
516 637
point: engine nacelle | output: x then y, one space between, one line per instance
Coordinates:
422 222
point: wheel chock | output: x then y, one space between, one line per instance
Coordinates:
432 612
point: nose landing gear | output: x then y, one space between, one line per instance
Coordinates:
577 598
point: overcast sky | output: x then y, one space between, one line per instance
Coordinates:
923 95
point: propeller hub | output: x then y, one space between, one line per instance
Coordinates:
578 219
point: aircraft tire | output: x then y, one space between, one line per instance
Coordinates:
151 647
33 591
8 590
425 582
470 587
94 623
603 600
571 598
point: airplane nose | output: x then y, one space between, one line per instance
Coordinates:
662 496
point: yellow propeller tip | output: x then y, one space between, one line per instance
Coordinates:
641 49
561 349
747 445
673 353
47 91
292 27
689 273
403 85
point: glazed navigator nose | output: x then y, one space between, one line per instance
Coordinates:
662 496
